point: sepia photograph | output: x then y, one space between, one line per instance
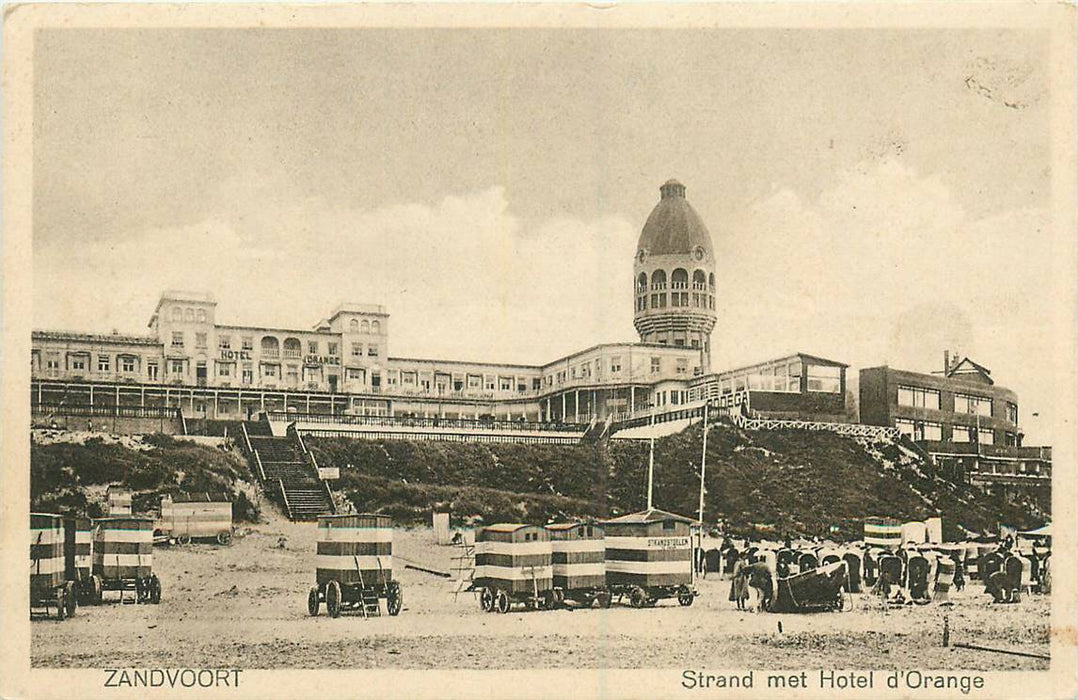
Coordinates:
558 340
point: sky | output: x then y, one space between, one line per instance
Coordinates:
874 196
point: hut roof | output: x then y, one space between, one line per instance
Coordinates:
651 515
505 527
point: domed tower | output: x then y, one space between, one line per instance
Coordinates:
674 276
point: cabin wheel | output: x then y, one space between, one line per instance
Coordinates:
550 600
502 602
140 590
394 599
486 600
603 599
638 598
685 597
61 609
155 589
183 539
333 599
96 589
70 602
224 537
312 601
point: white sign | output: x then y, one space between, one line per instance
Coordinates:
329 473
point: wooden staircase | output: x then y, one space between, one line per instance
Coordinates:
285 471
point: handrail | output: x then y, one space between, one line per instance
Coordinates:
284 498
329 496
516 425
183 421
246 437
261 471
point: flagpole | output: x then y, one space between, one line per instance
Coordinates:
703 467
651 453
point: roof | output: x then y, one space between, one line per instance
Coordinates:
651 515
674 227
506 527
968 366
565 526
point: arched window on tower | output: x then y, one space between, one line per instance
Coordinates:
642 292
177 313
711 281
376 327
679 282
699 289
353 326
658 287
293 349
366 326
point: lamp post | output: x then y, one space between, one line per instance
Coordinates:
651 453
703 466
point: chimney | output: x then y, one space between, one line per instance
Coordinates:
946 361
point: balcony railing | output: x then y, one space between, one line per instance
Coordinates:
445 423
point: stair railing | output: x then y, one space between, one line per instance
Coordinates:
284 498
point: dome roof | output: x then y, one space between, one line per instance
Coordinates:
674 227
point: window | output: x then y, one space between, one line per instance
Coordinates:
918 397
408 378
656 365
269 371
1010 439
177 314
932 431
177 339
376 327
293 374
357 374
825 379
615 364
962 433
332 349
202 315
372 351
248 373
682 365
224 369
127 363
224 342
919 430
189 315
537 384
1012 413
489 383
986 436
312 347
78 363
976 405
200 340
474 381
506 383
248 343
151 371
103 363
177 367
376 379
353 326
52 361
366 326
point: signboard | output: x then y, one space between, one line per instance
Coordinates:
322 360
329 473
735 399
235 354
668 542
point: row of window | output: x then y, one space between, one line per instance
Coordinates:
971 404
679 279
292 347
929 430
784 378
189 314
355 326
677 300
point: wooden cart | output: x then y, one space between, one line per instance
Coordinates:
123 558
513 567
578 560
48 585
649 558
354 566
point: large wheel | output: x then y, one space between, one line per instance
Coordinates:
501 603
333 599
183 539
638 598
394 599
155 589
486 600
685 597
70 602
312 601
61 607
97 589
140 590
224 537
603 599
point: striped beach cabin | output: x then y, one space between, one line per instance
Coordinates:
355 549
196 516
514 558
47 582
354 565
885 533
578 557
119 500
649 556
78 547
123 556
